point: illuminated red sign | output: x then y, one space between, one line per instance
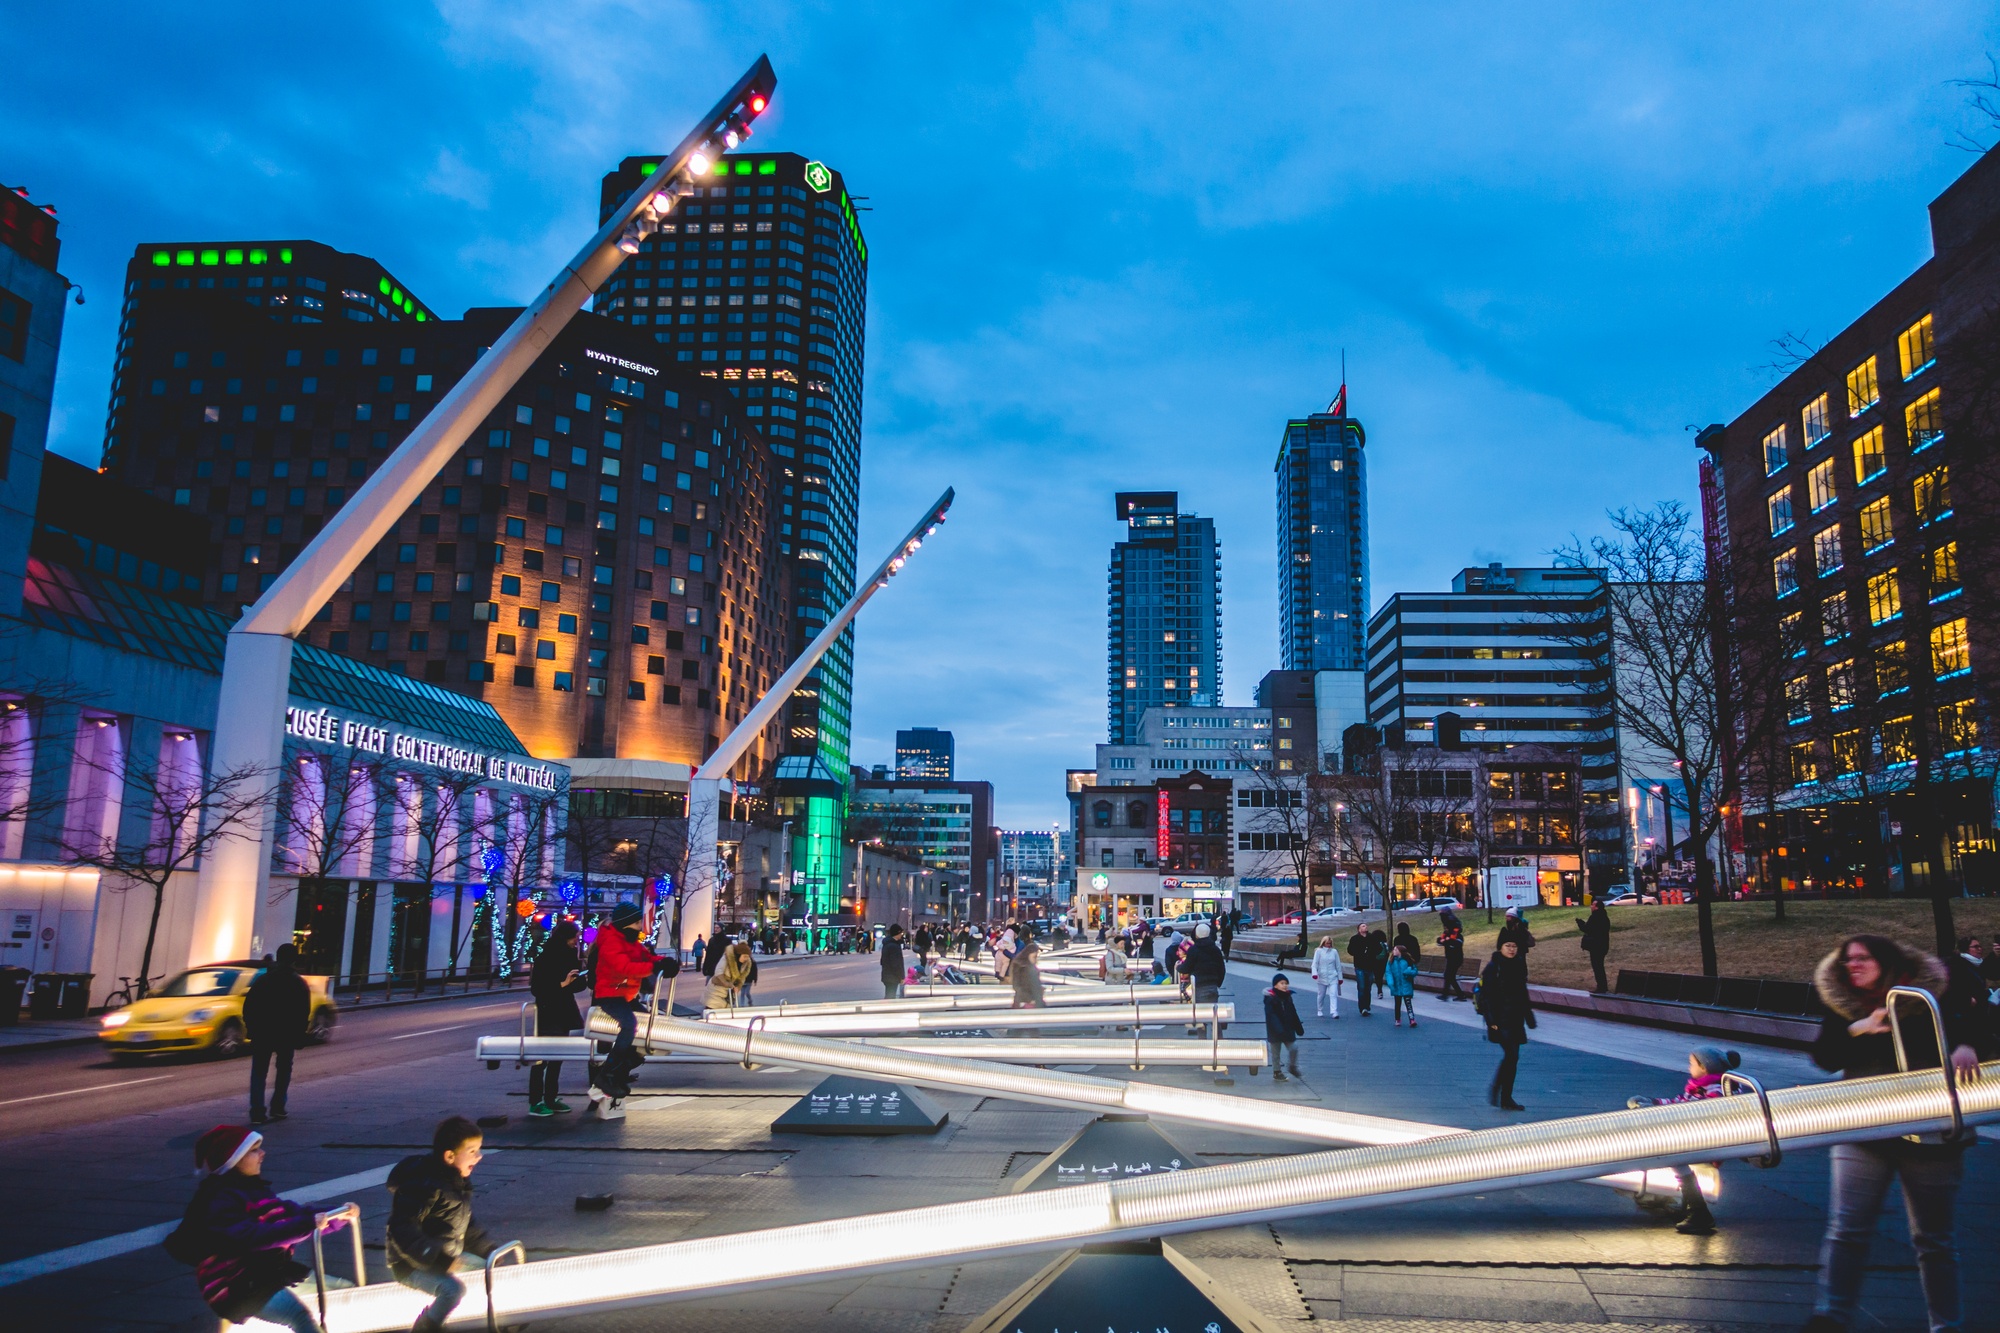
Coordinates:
1160 837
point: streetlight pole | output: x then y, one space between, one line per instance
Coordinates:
257 658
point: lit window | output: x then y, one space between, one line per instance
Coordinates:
1875 528
1869 462
1780 507
1840 687
1819 486
1932 493
1944 570
1899 740
1775 453
1885 602
1833 618
1892 668
1847 751
1785 572
1813 419
1958 727
1805 764
1915 350
1826 550
1924 420
1791 632
1951 652
1798 699
1862 391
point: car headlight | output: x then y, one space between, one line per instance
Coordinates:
199 1014
117 1020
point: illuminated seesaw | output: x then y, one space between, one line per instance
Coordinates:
1228 1052
1149 1207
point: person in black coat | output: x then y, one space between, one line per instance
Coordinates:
1451 935
892 963
431 1226
276 1012
1282 1028
1596 930
1361 952
1856 1038
554 981
1503 1003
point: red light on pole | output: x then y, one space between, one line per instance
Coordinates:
756 103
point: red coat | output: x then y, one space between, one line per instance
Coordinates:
622 966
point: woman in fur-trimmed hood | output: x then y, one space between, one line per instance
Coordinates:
1855 1039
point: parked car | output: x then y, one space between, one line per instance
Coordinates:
202 1009
1442 903
1623 895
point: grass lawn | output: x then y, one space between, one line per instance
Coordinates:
1748 941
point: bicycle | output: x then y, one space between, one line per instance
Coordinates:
125 994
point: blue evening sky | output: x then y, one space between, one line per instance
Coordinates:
1111 247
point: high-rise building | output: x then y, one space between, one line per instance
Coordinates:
596 563
1165 612
31 320
1323 542
946 825
924 752
760 282
1508 657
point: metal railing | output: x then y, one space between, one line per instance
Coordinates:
349 1213
353 990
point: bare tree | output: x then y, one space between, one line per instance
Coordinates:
1983 97
181 811
433 838
1293 819
1386 807
329 798
516 841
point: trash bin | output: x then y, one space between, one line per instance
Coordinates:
73 999
42 999
13 982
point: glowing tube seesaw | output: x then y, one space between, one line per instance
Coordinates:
909 1021
1146 1207
1004 1050
964 997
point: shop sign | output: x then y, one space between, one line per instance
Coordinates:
328 727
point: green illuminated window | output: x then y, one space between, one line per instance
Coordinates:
743 168
232 256
209 258
396 295
258 256
767 168
184 256
420 317
284 256
720 169
384 285
649 168
161 258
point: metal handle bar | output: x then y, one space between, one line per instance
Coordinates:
520 1253
749 1031
349 1213
1944 1050
1777 1153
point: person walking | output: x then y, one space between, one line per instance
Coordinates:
1503 1003
1407 943
1856 1039
699 945
431 1226
554 981
1359 950
922 941
1282 1028
1706 1066
276 1011
1326 977
1206 968
1226 933
892 963
730 985
1402 974
619 966
1451 937
237 1234
1596 932
1025 975
1378 960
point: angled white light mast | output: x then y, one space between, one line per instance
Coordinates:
705 785
256 669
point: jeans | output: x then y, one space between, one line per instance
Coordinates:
1282 1049
1406 1004
286 1310
446 1290
621 1060
1597 966
1861 1175
1362 993
1453 961
1210 993
543 1076
891 990
1503 1077
260 1068
1329 999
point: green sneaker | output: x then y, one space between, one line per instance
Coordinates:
541 1112
561 1107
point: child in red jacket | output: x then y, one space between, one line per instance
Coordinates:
620 965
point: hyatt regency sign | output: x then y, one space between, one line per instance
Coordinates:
328 727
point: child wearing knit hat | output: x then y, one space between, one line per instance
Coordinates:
1706 1066
238 1234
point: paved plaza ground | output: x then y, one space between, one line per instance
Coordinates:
696 1157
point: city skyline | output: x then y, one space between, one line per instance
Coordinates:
1057 377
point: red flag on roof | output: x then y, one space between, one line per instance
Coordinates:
1339 405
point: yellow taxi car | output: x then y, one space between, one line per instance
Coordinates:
202 1009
